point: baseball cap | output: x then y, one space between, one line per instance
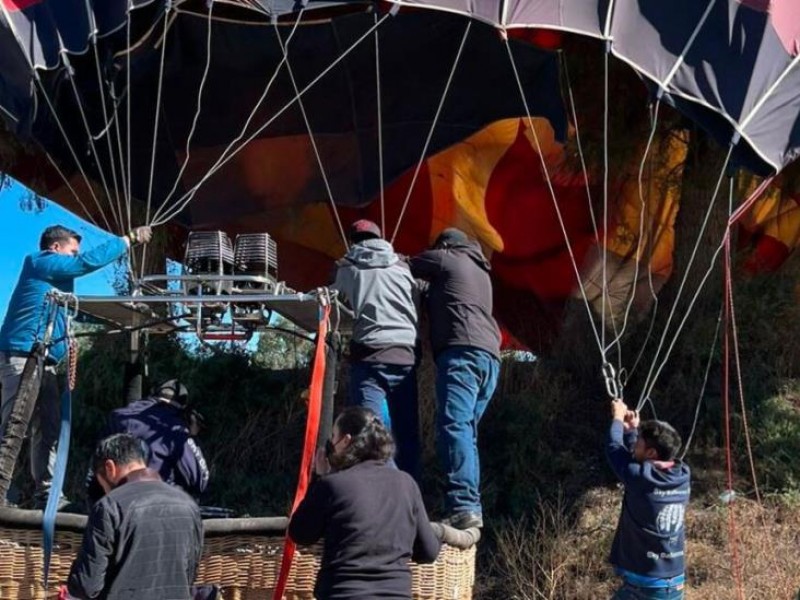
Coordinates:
364 229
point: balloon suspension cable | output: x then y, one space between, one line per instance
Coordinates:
431 130
556 207
54 164
380 125
701 397
128 103
177 206
655 371
604 281
312 139
227 156
643 251
156 120
112 159
736 566
581 156
117 216
195 119
59 124
737 359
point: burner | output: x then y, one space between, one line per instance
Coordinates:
256 254
208 253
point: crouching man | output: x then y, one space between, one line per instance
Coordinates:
144 538
648 548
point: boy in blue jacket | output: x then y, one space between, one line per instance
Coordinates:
648 548
56 266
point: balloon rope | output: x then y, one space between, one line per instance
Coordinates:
380 126
129 132
736 566
738 365
226 156
654 373
432 128
604 279
540 153
584 169
54 164
303 112
117 217
641 253
156 120
188 150
112 159
649 248
705 383
63 132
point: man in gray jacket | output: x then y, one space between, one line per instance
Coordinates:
377 284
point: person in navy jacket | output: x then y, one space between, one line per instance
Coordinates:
55 266
648 548
167 426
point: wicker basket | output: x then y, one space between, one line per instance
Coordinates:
244 564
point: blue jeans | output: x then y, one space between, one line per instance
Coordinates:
465 381
376 386
631 592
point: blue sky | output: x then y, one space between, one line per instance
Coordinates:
20 231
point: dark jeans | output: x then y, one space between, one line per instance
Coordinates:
465 381
45 421
632 592
376 386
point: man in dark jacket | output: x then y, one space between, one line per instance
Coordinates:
377 284
648 548
466 346
55 267
144 538
167 426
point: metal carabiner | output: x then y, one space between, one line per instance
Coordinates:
613 387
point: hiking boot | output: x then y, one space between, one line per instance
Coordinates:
464 520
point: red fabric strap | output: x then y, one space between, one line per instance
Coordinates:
309 444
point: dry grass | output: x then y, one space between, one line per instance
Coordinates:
560 553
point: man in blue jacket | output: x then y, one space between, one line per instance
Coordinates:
648 548
377 284
56 266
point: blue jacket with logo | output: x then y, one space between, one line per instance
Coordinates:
649 542
173 453
26 318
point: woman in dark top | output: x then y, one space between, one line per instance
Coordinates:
370 514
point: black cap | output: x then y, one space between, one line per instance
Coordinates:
172 391
451 236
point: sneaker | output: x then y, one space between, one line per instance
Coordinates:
464 520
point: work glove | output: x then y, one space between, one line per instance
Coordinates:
141 235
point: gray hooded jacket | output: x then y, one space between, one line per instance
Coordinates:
377 284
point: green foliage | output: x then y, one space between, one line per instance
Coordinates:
777 441
255 418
